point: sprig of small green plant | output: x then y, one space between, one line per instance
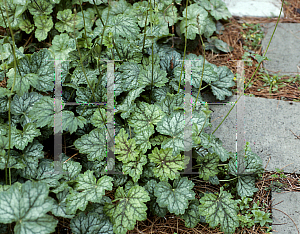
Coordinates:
271 80
249 55
279 171
246 218
253 36
277 185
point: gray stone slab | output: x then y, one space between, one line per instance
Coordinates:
267 128
254 8
290 204
284 49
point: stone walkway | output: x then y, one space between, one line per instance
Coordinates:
269 123
284 50
255 8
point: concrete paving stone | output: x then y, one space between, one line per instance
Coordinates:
289 204
284 48
254 8
267 125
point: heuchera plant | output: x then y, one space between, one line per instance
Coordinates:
149 117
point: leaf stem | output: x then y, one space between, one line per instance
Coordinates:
116 48
229 179
88 81
203 46
104 26
145 28
9 98
87 44
185 42
152 55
